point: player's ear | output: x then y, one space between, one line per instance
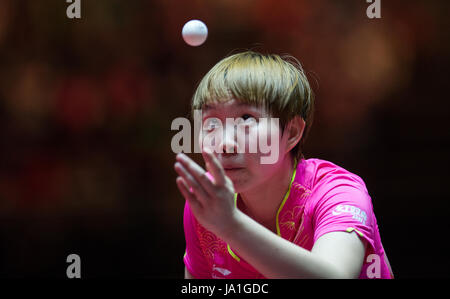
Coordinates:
294 132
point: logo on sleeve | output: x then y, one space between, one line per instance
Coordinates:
223 273
357 213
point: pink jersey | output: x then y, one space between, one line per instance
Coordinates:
322 198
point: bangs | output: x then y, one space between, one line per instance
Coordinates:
255 79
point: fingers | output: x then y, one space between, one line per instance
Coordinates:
183 187
214 167
192 181
195 171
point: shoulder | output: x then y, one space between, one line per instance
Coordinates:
318 173
331 184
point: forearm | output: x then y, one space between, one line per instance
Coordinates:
273 256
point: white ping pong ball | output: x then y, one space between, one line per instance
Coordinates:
194 33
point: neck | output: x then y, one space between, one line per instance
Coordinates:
262 203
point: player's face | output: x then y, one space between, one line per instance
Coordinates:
246 140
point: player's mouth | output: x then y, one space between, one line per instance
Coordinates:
232 168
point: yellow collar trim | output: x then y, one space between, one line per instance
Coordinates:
286 197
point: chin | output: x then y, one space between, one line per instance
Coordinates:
237 184
243 180
240 185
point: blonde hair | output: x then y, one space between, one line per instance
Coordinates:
277 83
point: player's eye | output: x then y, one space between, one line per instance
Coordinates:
211 124
247 116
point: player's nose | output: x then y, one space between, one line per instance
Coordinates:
229 144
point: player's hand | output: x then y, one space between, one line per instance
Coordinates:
212 202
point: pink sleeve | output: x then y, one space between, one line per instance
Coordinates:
342 203
194 259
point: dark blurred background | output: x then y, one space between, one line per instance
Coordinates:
86 107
